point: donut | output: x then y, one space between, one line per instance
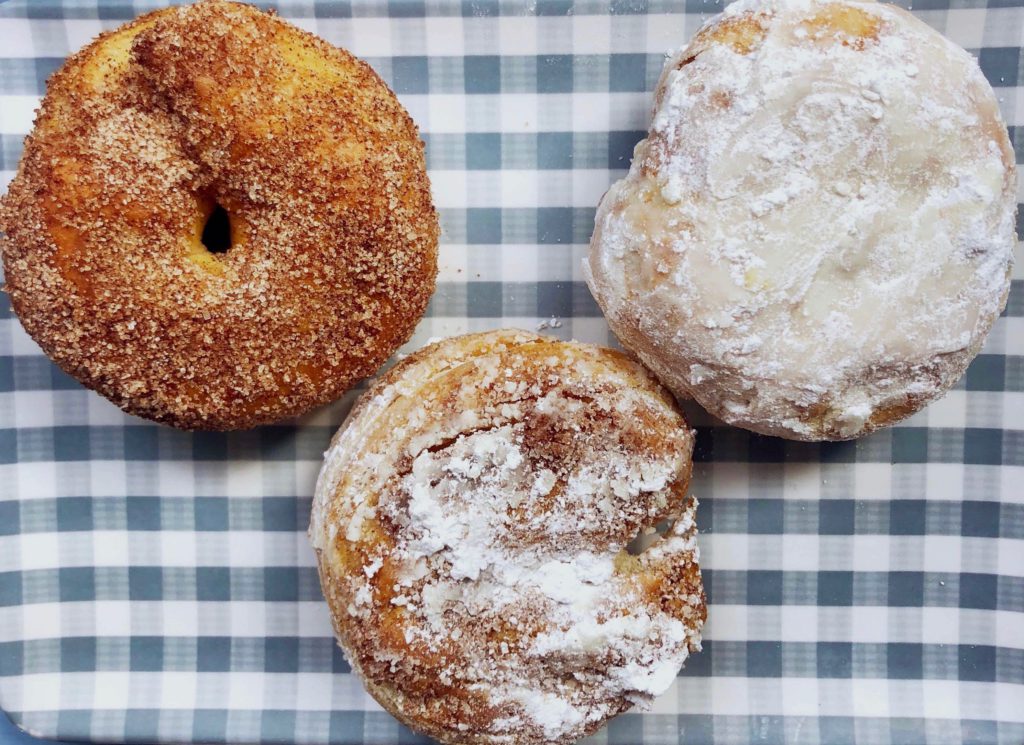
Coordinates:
471 524
816 236
289 153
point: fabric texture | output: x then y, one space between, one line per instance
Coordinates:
157 586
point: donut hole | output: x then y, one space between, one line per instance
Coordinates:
216 236
647 537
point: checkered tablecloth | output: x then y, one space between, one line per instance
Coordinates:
157 585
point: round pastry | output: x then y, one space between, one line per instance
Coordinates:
816 235
289 153
471 524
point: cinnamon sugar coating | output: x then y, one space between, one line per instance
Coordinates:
321 170
471 524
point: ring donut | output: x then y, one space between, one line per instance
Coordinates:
471 523
219 108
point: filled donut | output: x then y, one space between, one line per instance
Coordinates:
816 236
289 153
471 524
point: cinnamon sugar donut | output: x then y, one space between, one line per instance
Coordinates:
816 236
141 136
471 523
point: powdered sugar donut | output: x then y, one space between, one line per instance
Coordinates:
816 235
471 522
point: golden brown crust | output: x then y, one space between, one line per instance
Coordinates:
141 133
471 523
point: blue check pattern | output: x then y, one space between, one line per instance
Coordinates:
157 586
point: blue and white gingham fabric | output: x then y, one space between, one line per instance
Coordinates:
157 585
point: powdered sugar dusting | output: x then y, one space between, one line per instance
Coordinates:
499 538
820 221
